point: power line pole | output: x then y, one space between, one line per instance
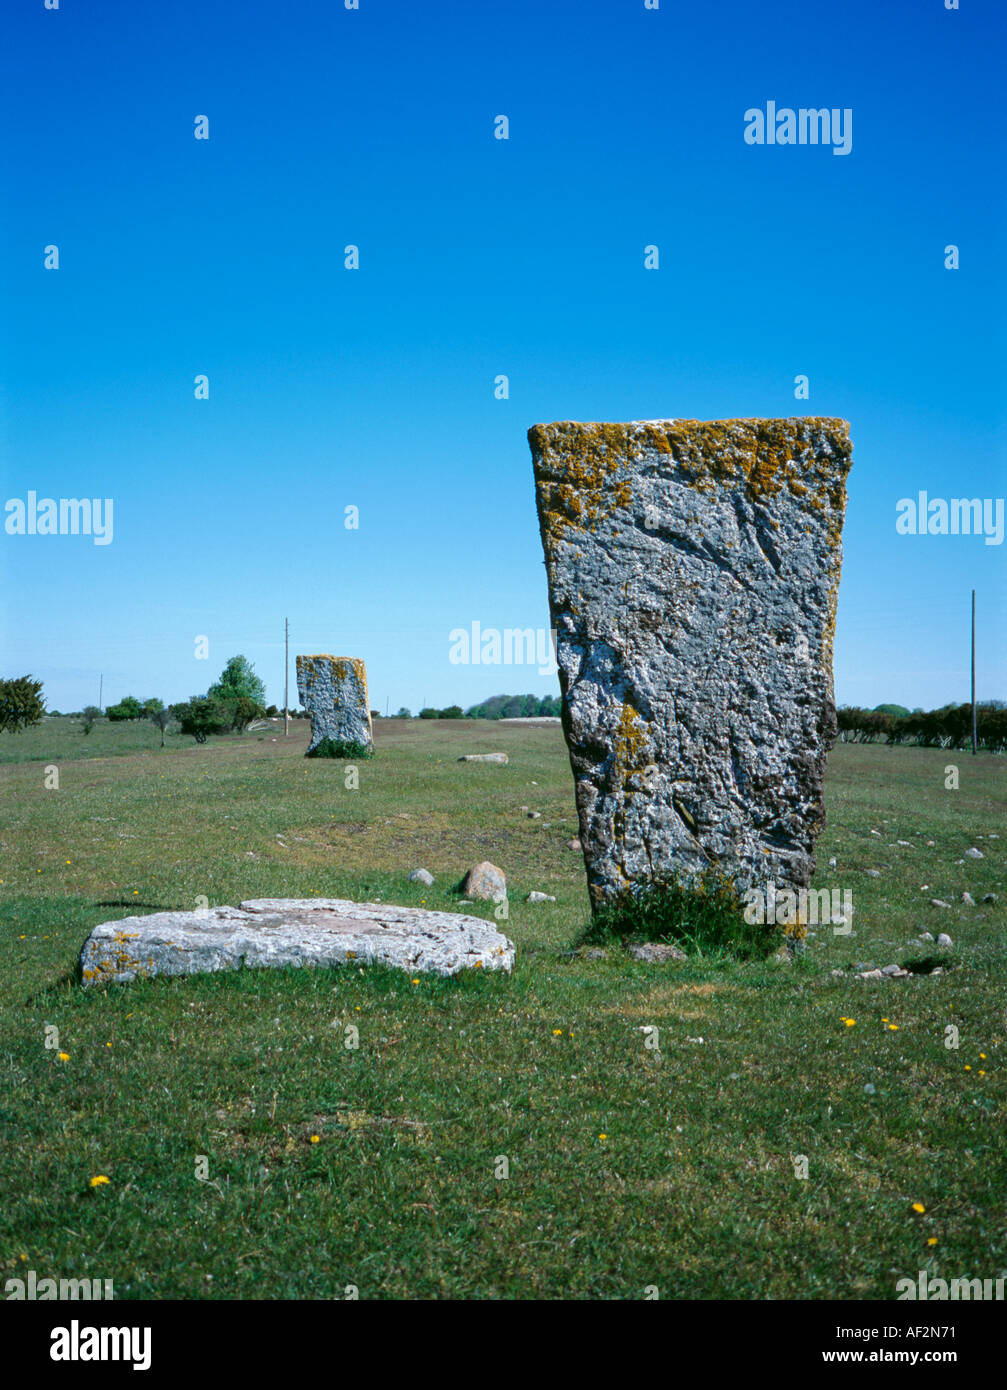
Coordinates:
286 675
101 687
973 673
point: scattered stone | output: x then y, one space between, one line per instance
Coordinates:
931 843
536 897
596 953
421 876
873 873
937 970
333 689
944 939
938 902
894 972
656 952
869 1088
907 843
534 815
974 853
573 844
871 975
832 862
291 932
876 832
841 974
989 898
926 936
680 547
484 758
485 882
968 900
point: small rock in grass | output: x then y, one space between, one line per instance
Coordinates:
869 1089
938 902
485 881
907 843
871 975
573 844
944 939
989 897
832 862
536 897
421 876
926 936
895 972
655 952
974 853
931 843
534 815
840 974
596 953
483 758
968 900
873 873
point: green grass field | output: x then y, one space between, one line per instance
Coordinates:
628 1167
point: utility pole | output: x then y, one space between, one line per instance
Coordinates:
973 673
286 675
101 687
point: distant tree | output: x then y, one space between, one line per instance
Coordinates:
429 713
128 708
403 713
272 712
238 681
453 712
201 717
897 711
21 704
90 714
161 718
244 711
152 706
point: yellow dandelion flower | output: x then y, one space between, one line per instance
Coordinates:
64 1056
918 1206
315 1139
893 1027
602 1136
850 1022
967 1067
982 1056
932 1240
557 1032
99 1180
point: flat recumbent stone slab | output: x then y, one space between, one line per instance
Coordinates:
693 572
292 932
333 689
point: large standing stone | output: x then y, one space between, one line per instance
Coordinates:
291 932
693 574
333 689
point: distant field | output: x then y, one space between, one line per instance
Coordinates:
627 1167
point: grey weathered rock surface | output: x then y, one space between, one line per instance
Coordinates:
423 876
333 689
656 952
693 575
485 881
292 932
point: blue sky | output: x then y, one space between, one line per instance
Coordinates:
374 388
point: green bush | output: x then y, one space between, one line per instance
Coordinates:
21 703
128 708
340 748
702 915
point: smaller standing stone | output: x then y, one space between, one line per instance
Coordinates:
333 689
423 876
486 882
